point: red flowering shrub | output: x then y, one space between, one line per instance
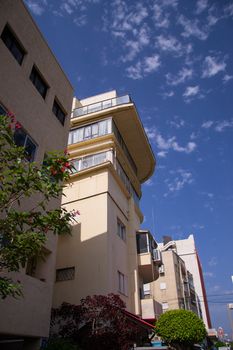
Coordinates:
98 323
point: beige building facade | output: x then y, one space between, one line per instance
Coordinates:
174 289
107 252
181 283
36 90
186 249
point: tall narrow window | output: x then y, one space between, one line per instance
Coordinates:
59 112
122 283
121 231
13 44
38 81
21 138
2 110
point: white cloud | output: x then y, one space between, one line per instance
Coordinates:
218 126
151 63
162 154
169 44
193 28
207 124
37 7
221 126
201 6
177 122
149 182
212 66
170 143
168 94
180 179
208 274
183 75
227 77
213 261
81 20
142 68
191 91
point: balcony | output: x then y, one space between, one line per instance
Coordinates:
100 106
146 265
151 309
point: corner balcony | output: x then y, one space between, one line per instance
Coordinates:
87 113
151 309
147 267
100 106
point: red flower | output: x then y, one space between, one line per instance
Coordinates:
18 125
67 165
63 169
53 171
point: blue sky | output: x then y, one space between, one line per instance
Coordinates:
175 59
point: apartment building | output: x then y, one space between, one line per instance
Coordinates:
107 252
174 289
186 249
36 90
181 283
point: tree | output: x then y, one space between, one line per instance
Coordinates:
180 329
23 232
98 323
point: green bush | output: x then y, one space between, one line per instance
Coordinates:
180 328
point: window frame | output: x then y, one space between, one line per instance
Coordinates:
26 138
38 80
13 43
122 283
59 111
121 230
71 268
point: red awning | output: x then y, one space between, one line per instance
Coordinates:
139 320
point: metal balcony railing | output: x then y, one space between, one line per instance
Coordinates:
99 106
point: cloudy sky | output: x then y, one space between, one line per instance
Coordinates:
175 59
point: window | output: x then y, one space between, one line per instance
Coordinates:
90 131
146 289
161 270
121 231
92 160
142 243
65 274
2 110
163 285
13 44
22 139
38 81
122 283
164 305
59 112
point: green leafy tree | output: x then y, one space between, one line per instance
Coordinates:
180 329
25 184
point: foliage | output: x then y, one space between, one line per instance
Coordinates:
98 323
180 328
25 184
219 343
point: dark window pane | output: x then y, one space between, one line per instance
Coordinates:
142 243
19 137
13 44
38 82
59 113
30 149
23 140
2 110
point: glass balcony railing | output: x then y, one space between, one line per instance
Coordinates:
99 106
